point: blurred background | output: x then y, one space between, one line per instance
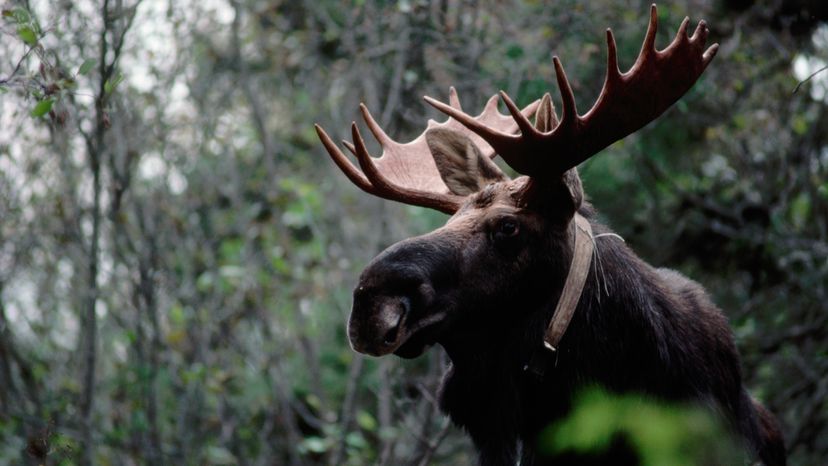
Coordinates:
177 251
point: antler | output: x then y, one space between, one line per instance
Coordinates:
407 172
627 102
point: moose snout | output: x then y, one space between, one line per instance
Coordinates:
396 293
376 324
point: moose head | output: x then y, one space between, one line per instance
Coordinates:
506 238
510 278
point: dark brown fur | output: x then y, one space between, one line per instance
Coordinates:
486 294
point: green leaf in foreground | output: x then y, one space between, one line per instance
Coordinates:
87 66
28 35
657 433
42 107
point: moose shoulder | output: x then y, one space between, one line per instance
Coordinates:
530 296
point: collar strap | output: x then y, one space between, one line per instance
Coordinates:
574 284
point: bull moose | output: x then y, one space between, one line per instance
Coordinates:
530 296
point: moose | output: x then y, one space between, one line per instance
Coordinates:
530 296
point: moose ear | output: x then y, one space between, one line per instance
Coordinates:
463 168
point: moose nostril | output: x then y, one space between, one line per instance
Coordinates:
391 336
403 306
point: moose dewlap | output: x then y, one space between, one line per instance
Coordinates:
528 294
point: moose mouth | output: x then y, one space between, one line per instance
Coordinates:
419 337
394 325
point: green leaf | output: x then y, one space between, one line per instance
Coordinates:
220 456
177 315
314 445
112 83
800 209
314 401
514 52
42 107
87 66
21 15
356 440
3 89
800 125
18 15
366 421
27 34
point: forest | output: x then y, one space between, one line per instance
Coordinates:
178 252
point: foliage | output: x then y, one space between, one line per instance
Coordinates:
177 253
654 433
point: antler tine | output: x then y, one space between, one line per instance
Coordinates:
569 112
349 145
613 71
454 100
491 104
343 162
366 162
649 47
522 121
681 34
701 32
374 127
545 118
709 54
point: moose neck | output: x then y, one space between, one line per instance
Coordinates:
617 283
514 330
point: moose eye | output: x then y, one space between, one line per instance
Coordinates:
506 228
